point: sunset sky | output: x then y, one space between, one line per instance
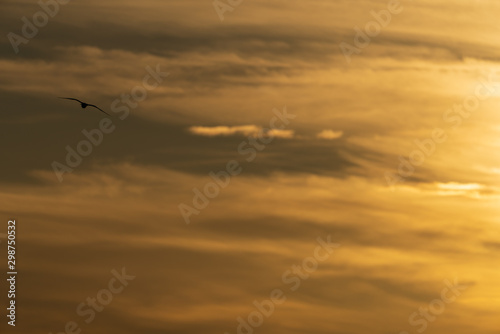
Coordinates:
390 152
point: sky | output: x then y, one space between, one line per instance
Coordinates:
266 166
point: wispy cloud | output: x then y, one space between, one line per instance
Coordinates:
244 130
325 176
330 134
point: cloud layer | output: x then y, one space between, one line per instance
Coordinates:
324 173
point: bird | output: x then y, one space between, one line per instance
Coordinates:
85 105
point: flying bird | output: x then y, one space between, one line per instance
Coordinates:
85 105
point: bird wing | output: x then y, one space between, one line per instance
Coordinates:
70 98
92 105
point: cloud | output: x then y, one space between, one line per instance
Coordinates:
287 134
330 134
246 130
230 76
224 130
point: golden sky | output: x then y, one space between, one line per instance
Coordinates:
387 150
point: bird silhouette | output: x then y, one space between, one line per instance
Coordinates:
84 105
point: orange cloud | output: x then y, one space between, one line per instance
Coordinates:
246 130
330 134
